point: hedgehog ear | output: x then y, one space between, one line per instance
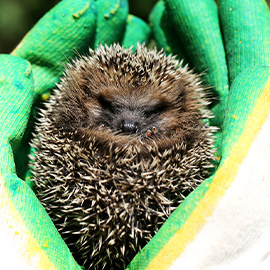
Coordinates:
86 90
180 96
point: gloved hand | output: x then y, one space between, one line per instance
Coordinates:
29 239
225 222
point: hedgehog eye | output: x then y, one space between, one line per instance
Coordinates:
106 104
155 110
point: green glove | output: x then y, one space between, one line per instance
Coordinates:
30 240
224 222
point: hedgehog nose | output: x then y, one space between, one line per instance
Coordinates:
129 126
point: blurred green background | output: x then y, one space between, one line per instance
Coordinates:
18 16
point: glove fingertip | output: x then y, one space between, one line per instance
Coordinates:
137 31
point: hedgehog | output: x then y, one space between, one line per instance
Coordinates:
123 139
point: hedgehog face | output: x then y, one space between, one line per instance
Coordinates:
134 112
129 115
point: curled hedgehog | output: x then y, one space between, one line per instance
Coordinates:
122 141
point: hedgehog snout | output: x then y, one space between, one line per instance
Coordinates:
129 126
